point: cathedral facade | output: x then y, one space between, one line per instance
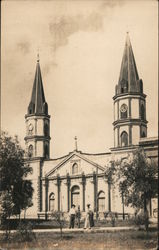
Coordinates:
79 178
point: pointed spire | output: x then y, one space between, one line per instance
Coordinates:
38 104
129 78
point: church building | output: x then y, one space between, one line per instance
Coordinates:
79 178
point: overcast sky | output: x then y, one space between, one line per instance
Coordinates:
81 45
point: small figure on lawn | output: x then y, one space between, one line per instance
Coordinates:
91 219
78 216
89 222
72 214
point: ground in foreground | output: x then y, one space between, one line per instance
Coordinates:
88 241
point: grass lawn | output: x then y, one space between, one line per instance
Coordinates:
88 241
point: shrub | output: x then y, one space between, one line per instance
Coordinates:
25 232
141 219
59 219
112 216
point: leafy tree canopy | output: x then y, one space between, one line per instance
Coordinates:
13 173
136 177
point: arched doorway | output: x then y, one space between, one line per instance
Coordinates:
75 196
101 201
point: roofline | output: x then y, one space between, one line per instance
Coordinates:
78 151
37 115
129 94
69 156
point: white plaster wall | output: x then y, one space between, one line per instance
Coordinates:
89 193
135 108
101 186
135 134
116 157
122 101
40 127
39 148
63 200
116 200
124 128
116 137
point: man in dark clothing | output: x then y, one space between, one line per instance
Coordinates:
72 214
91 220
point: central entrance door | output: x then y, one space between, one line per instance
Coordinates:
75 196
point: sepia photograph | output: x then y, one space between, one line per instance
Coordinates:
79 125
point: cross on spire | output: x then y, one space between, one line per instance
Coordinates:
38 57
76 148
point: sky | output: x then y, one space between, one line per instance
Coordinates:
80 44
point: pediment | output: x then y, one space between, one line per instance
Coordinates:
84 165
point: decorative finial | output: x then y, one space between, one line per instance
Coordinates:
127 39
38 57
76 143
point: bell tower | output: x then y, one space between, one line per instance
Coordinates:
37 121
129 103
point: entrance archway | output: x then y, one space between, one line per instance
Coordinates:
101 201
75 196
52 202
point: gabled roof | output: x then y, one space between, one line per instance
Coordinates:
38 104
71 155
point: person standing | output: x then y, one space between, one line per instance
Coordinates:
91 219
72 214
87 218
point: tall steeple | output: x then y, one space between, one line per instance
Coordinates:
130 122
37 121
129 81
38 104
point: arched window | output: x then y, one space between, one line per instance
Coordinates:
75 168
52 202
123 111
124 139
75 196
142 112
30 151
101 201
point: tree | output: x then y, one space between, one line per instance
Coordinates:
13 173
137 179
58 216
